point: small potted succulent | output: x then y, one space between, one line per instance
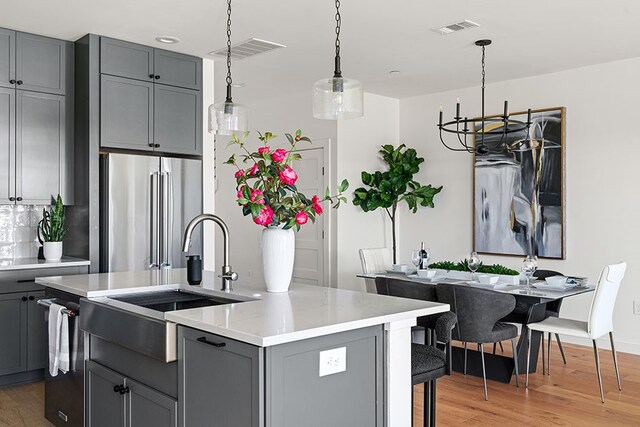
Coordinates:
52 231
266 191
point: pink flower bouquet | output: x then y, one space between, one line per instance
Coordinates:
266 187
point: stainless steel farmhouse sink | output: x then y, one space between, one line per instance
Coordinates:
164 301
136 321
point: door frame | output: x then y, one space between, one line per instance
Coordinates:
324 144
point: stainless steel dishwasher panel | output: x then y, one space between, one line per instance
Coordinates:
153 337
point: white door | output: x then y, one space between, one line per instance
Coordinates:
309 262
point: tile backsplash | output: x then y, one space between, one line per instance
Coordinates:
19 231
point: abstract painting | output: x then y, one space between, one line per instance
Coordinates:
519 188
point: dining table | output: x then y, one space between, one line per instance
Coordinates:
531 301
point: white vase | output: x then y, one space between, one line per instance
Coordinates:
52 251
278 251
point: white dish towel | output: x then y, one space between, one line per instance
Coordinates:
58 340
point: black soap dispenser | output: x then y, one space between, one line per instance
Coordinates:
194 269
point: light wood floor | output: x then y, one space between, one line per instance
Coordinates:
568 397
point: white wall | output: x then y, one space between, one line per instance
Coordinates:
602 175
359 141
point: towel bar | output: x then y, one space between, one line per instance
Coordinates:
48 302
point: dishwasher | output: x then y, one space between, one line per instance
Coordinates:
64 393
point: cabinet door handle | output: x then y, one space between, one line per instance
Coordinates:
157 77
156 145
125 390
19 82
24 298
151 144
31 297
151 75
19 199
12 199
12 81
118 388
215 344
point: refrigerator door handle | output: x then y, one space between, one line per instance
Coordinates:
154 221
165 222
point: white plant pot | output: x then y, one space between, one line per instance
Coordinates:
52 251
278 251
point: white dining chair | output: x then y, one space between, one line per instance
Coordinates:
375 260
599 324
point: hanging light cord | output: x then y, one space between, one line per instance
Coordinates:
337 71
483 81
229 81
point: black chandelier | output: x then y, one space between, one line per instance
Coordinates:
489 126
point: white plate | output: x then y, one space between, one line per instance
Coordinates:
487 285
408 272
544 286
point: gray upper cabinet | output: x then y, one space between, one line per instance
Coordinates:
13 324
40 64
126 59
40 144
177 70
220 381
177 120
126 113
7 58
7 145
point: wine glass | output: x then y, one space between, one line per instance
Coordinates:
415 257
473 262
529 266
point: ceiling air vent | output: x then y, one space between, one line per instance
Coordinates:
248 48
457 26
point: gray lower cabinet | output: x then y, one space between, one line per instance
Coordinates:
115 400
177 120
171 68
220 381
126 113
40 147
124 59
13 330
40 63
223 382
37 352
7 145
7 58
104 403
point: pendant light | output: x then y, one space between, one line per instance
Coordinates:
493 127
227 118
338 97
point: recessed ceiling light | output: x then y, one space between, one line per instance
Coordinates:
239 84
394 72
168 39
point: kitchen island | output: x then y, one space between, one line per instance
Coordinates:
295 352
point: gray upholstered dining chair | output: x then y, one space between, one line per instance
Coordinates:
478 313
415 290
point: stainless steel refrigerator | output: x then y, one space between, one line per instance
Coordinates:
146 203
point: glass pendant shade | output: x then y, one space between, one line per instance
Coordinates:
227 118
338 98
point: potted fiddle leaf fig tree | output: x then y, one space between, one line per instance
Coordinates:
51 230
386 189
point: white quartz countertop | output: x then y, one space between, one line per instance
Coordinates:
35 263
269 319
